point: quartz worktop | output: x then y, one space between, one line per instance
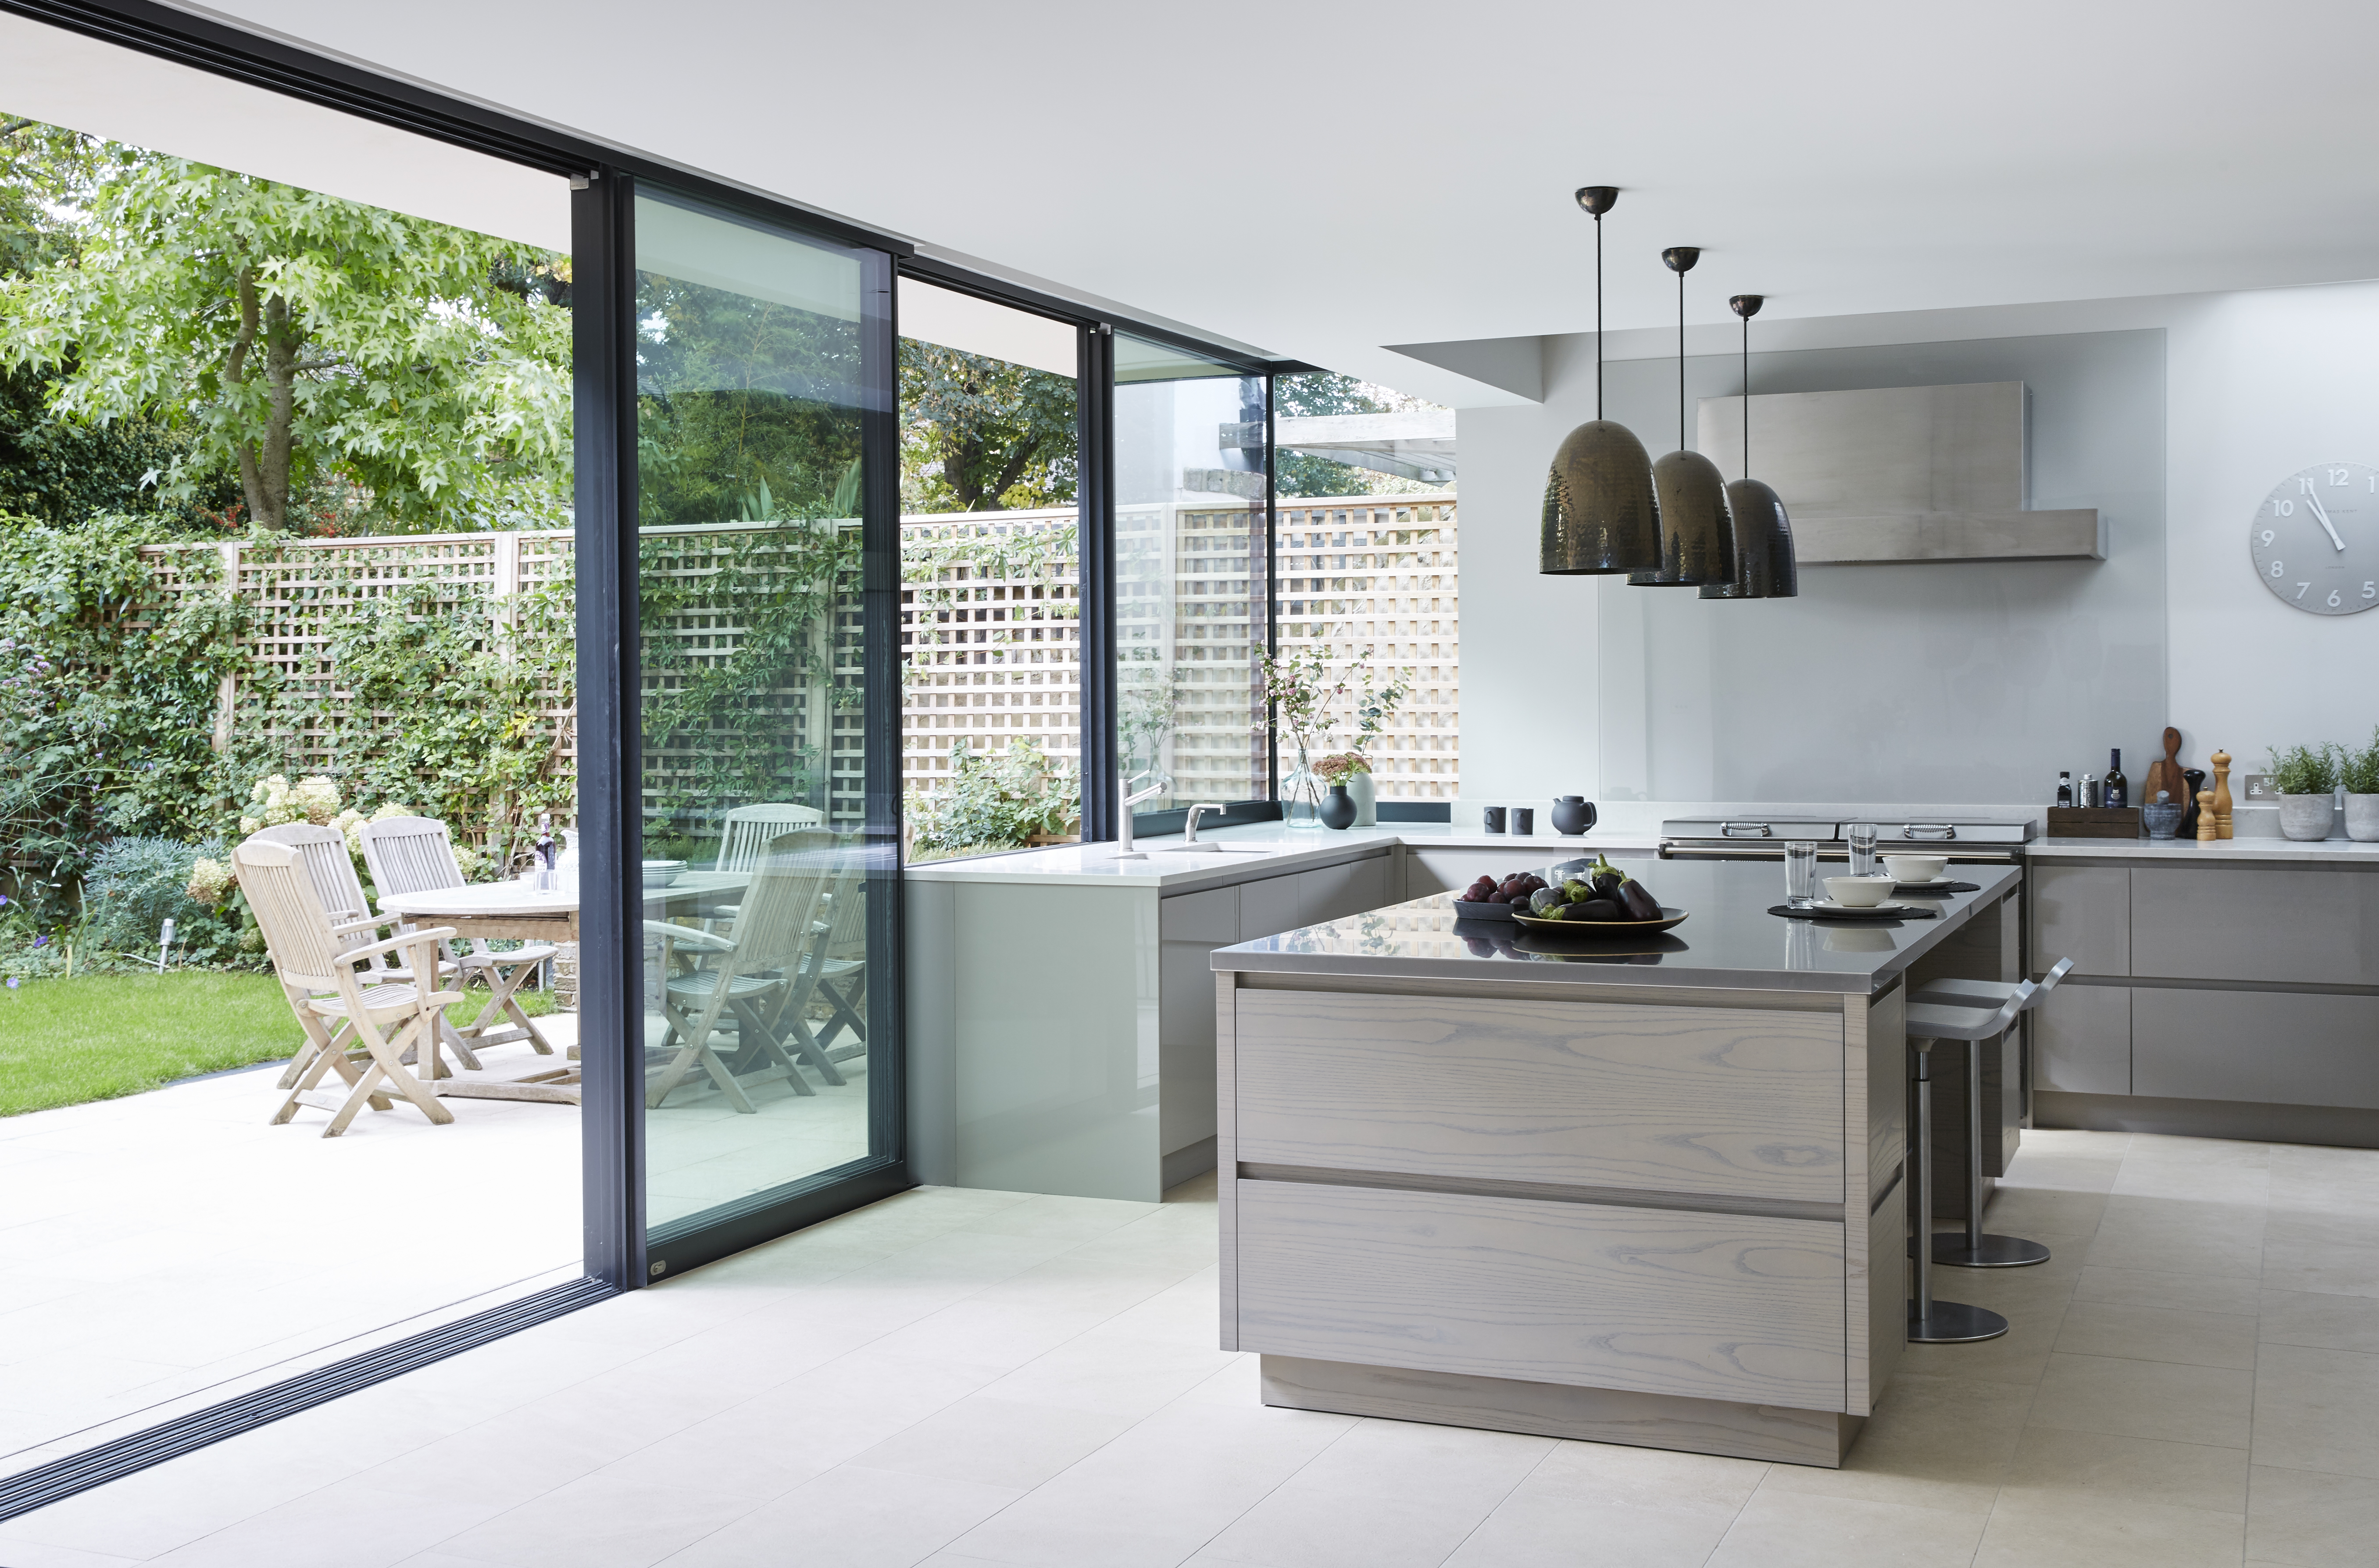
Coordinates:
2209 852
1728 941
1263 848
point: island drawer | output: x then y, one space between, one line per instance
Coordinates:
1712 1306
1668 1099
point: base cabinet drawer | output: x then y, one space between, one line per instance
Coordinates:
1710 1306
2267 1047
2082 1040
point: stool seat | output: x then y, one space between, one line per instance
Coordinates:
1991 993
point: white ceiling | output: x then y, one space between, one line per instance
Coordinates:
1320 179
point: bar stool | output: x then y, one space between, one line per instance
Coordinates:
1977 1250
1931 1322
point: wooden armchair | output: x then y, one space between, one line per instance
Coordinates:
415 854
318 971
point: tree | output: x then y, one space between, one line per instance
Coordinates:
1325 392
980 434
291 337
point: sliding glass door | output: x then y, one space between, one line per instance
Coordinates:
768 1047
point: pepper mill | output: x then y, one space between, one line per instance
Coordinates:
2205 829
2221 761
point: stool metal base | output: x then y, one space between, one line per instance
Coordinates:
1995 1252
1954 1323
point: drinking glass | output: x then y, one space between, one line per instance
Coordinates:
1862 848
1800 874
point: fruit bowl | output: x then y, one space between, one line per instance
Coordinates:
1484 910
1668 917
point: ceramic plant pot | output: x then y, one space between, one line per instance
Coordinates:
1573 815
1367 799
2363 818
1339 808
2304 817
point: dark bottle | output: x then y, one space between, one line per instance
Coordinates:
2119 789
2065 788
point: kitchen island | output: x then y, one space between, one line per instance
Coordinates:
1643 1190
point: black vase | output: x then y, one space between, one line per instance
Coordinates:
1339 808
1573 815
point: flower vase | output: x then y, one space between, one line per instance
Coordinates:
1366 796
1300 795
1338 809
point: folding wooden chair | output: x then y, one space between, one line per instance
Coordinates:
414 854
832 973
318 974
747 831
332 868
746 974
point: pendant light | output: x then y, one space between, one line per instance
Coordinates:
1697 532
1601 515
1764 567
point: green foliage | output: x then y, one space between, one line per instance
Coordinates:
980 434
64 472
1298 690
137 883
286 337
1323 392
2359 767
2304 770
1376 705
994 802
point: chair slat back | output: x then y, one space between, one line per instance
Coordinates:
846 934
749 829
289 912
781 902
329 862
410 854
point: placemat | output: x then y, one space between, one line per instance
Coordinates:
1880 913
1925 890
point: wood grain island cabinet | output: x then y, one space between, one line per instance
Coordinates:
1646 1192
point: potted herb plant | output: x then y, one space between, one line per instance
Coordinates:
2306 778
2358 771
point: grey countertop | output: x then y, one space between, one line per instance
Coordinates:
2216 851
1728 941
1264 849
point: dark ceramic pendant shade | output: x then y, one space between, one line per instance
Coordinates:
1601 513
1764 567
1697 530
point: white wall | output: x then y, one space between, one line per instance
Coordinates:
2255 386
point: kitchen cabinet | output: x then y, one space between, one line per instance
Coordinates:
2309 925
2082 913
2274 1047
2082 1040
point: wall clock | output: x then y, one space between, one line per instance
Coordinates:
2315 540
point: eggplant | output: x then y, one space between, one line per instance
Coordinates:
1593 908
1635 902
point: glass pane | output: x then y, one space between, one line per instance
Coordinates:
1368 587
1190 576
990 593
756 939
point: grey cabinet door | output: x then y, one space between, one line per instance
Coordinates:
2082 913
1270 907
2308 925
2266 1048
1334 892
1211 917
2082 1040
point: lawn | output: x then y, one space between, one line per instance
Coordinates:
95 1037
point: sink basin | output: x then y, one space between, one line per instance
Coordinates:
1210 847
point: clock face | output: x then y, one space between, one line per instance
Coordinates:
2315 540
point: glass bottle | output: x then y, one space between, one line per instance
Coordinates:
2117 788
2065 788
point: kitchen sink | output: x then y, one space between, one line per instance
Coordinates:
1213 849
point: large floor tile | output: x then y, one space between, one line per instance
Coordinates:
2317 1410
1389 1495
1784 1529
2164 1400
2065 1530
614 1520
19 1552
2157 1333
996 1441
2163 1287
2311 1520
2340 1270
2174 1475
1596 1504
851 1517
364 1526
1935 1441
2319 1320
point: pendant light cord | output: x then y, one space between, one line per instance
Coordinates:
1681 361
1747 397
1598 316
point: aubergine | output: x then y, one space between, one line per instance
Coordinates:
1593 908
1634 903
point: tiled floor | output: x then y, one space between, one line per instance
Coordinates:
971 1377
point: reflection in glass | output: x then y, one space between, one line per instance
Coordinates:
749 398
1190 575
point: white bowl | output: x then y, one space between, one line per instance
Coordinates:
1858 892
1916 868
660 874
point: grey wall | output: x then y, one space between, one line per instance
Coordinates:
1962 682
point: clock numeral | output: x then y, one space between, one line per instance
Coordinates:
2333 599
2284 509
2275 572
2269 535
2337 475
2370 590
2300 589
2304 486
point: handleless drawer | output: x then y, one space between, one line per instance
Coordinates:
2269 1047
1689 1100
2082 913
1729 1306
2303 925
